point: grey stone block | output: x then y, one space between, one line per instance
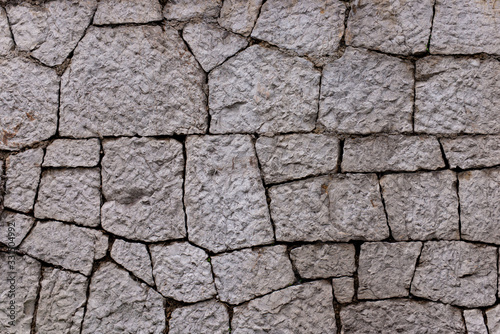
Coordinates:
135 258
204 317
127 11
14 227
472 151
72 153
239 15
343 289
474 321
183 10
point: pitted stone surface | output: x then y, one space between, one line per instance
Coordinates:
132 80
127 11
72 153
204 317
239 15
225 200
422 206
493 317
183 10
246 93
305 308
142 182
248 273
6 43
182 272
357 97
343 289
472 151
288 157
474 321
14 227
134 257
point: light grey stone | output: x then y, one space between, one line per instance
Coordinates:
50 30
118 304
131 80
66 245
366 92
245 274
457 273
305 308
324 260
211 45
386 269
62 300
493 318
6 43
391 153
14 227
472 151
474 321
457 95
22 172
182 272
313 27
127 11
72 153
288 157
134 257
224 196
29 100
142 185
70 195
183 10
246 93
205 317
422 206
239 15
401 316
343 289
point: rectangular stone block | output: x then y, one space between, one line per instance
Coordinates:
472 151
73 153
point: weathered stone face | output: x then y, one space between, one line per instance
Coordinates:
474 321
134 257
493 317
204 317
183 10
239 15
127 11
343 289
472 151
6 42
14 227
72 153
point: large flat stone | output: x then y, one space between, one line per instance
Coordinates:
127 11
135 258
472 151
183 10
239 15
204 317
72 153
6 42
14 227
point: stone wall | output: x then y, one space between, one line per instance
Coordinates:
250 166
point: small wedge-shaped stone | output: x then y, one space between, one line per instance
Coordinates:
6 43
183 10
367 92
131 80
472 151
305 308
72 153
391 153
246 93
142 183
134 257
239 15
248 273
127 11
343 289
51 30
493 317
118 304
205 317
224 196
457 273
14 227
474 321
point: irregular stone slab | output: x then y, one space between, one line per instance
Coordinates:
22 173
457 273
401 316
248 273
391 153
72 153
182 272
457 95
205 317
472 151
305 308
493 317
324 260
127 11
343 289
6 43
50 30
474 321
62 300
19 284
66 245
386 269
224 196
309 28
357 97
135 258
479 193
183 10
142 177
246 93
422 206
70 195
132 80
212 45
117 303
391 27
14 227
239 15
29 99
288 157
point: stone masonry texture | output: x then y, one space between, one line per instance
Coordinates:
249 166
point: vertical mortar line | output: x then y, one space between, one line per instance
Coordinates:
87 293
336 310
485 319
37 299
457 187
383 206
463 320
230 312
257 18
443 155
10 27
414 107
340 154
3 181
184 174
151 265
58 106
298 278
320 69
39 182
432 26
416 266
357 248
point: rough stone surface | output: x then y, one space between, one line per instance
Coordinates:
324 260
183 10
343 289
246 93
118 304
205 317
288 157
305 308
6 43
70 195
246 274
14 227
224 196
239 15
135 258
72 153
127 11
22 174
391 153
182 272
422 206
51 30
132 80
457 273
493 317
474 321
29 99
357 97
472 151
142 185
